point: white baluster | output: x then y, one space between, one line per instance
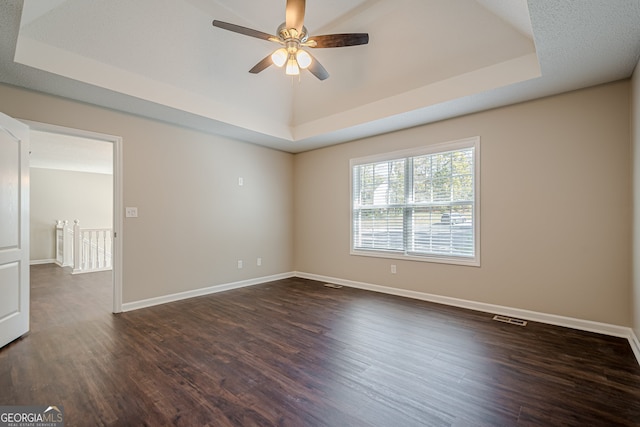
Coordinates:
104 248
77 248
59 243
67 233
94 250
90 251
109 249
83 260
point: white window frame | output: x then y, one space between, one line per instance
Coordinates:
473 142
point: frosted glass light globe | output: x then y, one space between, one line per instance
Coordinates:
279 57
303 58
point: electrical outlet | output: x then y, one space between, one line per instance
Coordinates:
259 262
393 269
131 212
239 263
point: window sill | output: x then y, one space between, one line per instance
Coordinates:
466 262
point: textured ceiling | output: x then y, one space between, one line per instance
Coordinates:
427 60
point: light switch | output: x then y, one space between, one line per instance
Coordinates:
240 181
131 212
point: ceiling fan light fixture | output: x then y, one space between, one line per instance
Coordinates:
292 35
279 57
303 58
292 67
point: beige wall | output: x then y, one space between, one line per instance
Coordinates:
59 195
635 141
556 214
194 220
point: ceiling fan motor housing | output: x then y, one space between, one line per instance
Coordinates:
287 34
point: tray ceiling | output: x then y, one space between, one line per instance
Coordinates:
426 60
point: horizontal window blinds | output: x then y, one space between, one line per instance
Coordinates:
418 205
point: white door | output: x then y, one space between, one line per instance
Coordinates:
14 229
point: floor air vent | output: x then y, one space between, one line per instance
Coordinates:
511 320
331 285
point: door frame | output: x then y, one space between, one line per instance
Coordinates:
117 196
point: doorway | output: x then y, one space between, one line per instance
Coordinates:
95 147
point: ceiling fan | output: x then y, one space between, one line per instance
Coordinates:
293 36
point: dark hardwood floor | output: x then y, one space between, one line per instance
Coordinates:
296 353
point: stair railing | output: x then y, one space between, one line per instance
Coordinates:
84 249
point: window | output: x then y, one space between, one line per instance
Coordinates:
420 204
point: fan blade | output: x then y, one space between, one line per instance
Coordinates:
338 40
317 69
244 30
262 65
294 17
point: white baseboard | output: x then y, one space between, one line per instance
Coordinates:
42 261
635 344
135 305
551 319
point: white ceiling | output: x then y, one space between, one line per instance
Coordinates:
427 60
49 150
